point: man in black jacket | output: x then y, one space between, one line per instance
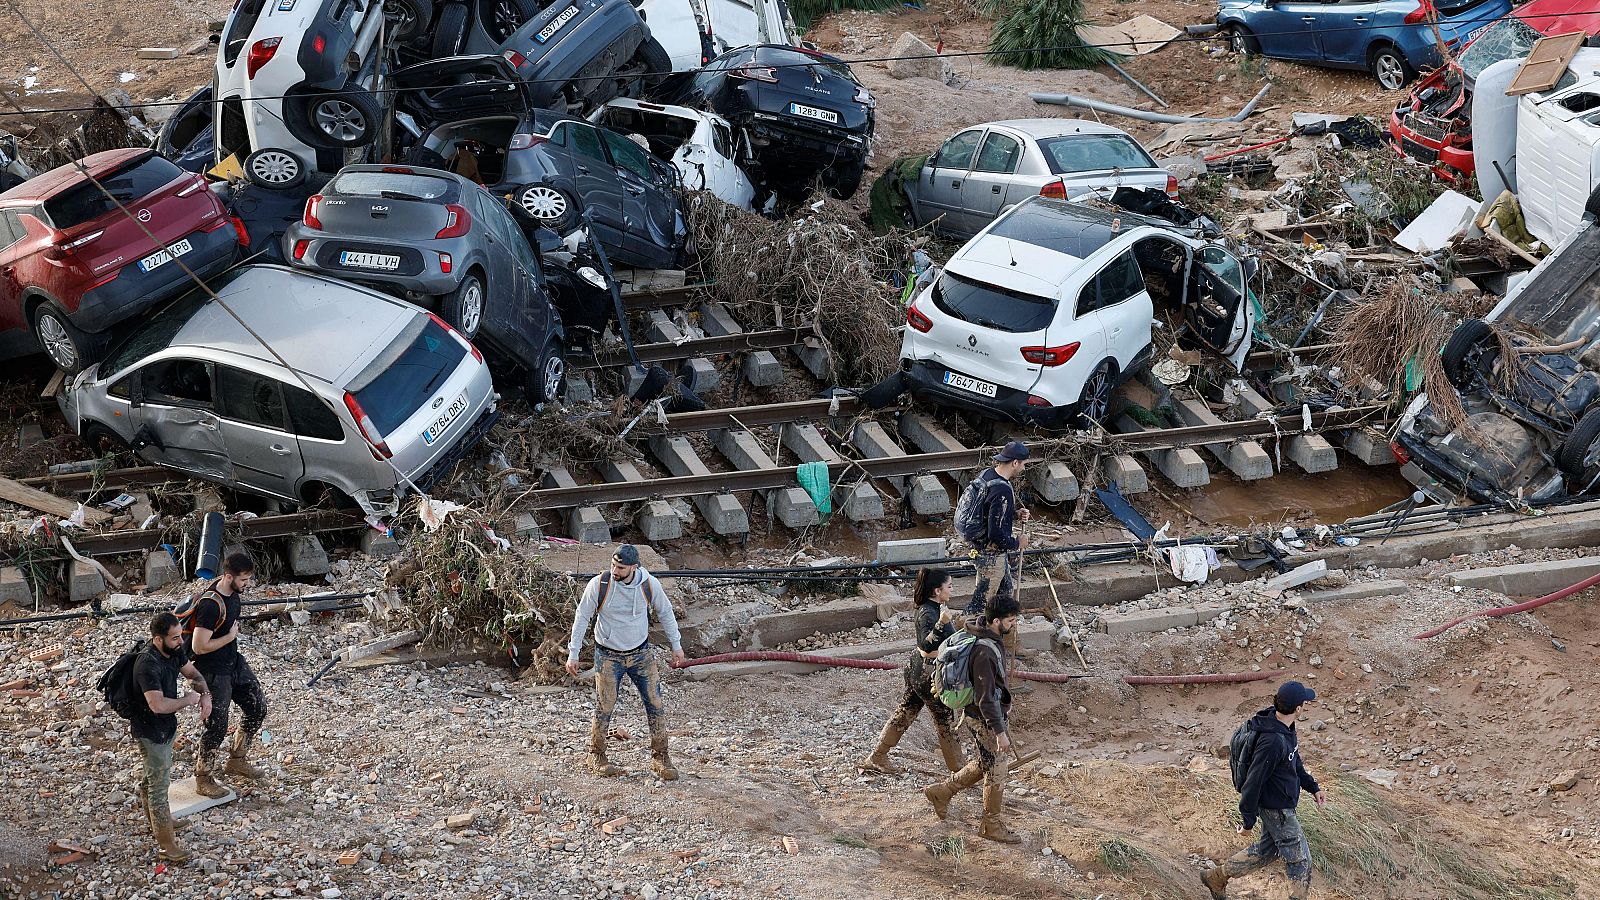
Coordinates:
155 676
1271 792
985 719
997 554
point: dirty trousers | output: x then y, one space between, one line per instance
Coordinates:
989 765
157 774
235 684
640 667
919 694
994 568
1281 836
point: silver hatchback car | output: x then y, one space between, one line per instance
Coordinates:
396 396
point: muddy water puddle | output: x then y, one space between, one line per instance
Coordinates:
1328 498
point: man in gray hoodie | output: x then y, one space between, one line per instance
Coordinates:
620 602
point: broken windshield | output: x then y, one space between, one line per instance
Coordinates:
1509 38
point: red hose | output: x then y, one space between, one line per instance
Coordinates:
1499 611
842 662
1227 153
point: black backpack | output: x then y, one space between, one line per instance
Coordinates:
117 685
972 511
1242 749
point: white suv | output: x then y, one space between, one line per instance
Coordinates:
1045 311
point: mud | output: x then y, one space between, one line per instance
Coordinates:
1294 497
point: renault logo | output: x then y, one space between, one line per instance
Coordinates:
972 340
144 215
438 402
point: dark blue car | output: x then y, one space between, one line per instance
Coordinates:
1392 39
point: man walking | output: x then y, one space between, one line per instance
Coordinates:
985 720
1273 779
155 678
620 602
996 548
214 646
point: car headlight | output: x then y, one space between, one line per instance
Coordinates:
590 275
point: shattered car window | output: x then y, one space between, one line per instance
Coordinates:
991 306
1509 38
1224 266
159 328
1093 153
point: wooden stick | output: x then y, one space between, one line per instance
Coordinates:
1050 580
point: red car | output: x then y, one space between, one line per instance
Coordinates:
1434 125
72 264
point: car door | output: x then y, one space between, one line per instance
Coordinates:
1286 30
599 189
1217 304
939 189
256 433
647 216
499 260
985 190
1117 298
175 418
11 249
516 320
1344 29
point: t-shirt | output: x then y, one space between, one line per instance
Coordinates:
157 671
219 617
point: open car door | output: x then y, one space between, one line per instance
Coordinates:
1217 305
458 88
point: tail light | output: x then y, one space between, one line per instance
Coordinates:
476 353
516 59
313 206
398 170
1055 190
522 141
1036 400
75 243
300 249
1400 454
319 44
456 223
1050 357
368 430
1172 186
196 185
260 54
756 73
864 97
917 320
1420 14
446 263
242 233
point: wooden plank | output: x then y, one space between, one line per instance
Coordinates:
60 507
1547 61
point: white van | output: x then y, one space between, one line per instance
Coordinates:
1558 150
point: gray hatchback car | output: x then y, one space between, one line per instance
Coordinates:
396 396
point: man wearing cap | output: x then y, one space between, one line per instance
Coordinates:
996 548
620 601
1272 784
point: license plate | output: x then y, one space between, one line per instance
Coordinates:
549 31
968 383
448 418
1419 152
357 260
161 257
811 112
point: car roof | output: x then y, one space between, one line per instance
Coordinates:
324 327
49 183
1048 128
1071 228
1559 16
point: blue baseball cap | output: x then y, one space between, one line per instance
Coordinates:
1293 694
1012 452
627 554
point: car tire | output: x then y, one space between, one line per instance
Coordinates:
553 207
345 118
1390 67
1095 400
656 62
274 169
1468 336
1579 443
66 344
405 19
464 307
546 382
843 182
1240 40
101 440
450 32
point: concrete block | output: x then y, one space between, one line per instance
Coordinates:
910 550
1182 466
1245 459
659 522
762 369
141 509
528 527
1529 579
659 328
1299 575
716 321
306 556
1145 620
584 523
156 53
1370 446
1126 472
378 545
721 511
911 57
859 502
1311 452
185 801
927 495
815 359
84 582
1361 591
14 587
1053 482
160 570
807 443
704 375
793 506
927 435
1030 636
578 389
29 434
873 442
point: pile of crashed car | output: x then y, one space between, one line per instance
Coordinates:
403 199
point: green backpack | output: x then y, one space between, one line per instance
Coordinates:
952 669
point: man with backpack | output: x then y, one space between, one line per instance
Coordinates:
149 700
211 623
620 602
1264 755
984 701
986 517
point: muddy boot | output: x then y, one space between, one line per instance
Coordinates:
171 851
879 760
1241 862
1299 890
1216 881
149 817
660 760
597 754
940 794
205 771
992 827
239 757
950 749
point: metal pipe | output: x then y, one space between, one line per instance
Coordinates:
1144 114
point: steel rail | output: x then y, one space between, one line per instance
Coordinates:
113 543
750 416
643 301
666 351
106 479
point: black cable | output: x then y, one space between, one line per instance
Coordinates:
135 610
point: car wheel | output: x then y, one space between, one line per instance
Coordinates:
463 307
102 441
1582 444
1240 40
506 16
553 207
1467 337
274 169
450 32
1095 401
405 19
348 118
66 345
655 61
842 182
1389 66
547 380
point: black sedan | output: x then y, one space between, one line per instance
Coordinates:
806 115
